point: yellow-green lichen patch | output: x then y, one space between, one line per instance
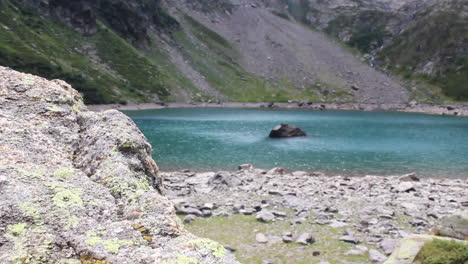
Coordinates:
209 245
16 229
55 108
182 259
76 108
67 198
63 172
38 173
30 209
111 245
27 80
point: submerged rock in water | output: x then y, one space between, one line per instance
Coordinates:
285 130
81 187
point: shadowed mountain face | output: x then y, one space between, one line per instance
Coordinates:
243 50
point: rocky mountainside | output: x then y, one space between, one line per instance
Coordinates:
80 187
241 50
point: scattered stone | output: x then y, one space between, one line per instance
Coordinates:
265 216
261 238
337 224
331 209
285 130
247 167
388 245
276 171
409 178
376 256
405 187
247 211
189 218
349 239
305 239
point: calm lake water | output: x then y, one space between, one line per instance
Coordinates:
344 142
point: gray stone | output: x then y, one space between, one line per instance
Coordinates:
305 239
455 226
349 239
388 245
246 167
189 218
261 238
409 178
265 216
405 187
376 256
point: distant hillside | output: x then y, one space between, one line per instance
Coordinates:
244 50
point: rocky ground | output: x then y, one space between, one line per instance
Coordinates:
447 109
363 217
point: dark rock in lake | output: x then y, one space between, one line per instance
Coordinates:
285 130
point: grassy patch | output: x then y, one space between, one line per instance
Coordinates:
443 252
239 231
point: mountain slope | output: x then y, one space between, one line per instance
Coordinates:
425 41
158 50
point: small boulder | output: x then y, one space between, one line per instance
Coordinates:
265 216
455 226
305 239
285 130
349 239
388 245
409 178
376 257
246 167
261 238
189 218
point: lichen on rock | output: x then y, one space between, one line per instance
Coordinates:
74 184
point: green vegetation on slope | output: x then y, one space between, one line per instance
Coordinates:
104 67
367 28
443 252
439 38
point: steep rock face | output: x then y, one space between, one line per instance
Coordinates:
81 187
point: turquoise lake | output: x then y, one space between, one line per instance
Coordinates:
338 142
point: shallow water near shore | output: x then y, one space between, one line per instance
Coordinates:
338 142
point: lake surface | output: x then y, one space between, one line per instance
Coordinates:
341 142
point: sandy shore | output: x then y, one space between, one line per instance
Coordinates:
448 109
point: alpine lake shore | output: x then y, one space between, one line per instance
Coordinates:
276 216
412 107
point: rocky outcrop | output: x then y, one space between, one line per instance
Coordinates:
285 130
409 247
455 226
80 187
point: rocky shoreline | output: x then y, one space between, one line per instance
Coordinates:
371 212
446 109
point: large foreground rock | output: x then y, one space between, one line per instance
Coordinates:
455 226
80 187
409 247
